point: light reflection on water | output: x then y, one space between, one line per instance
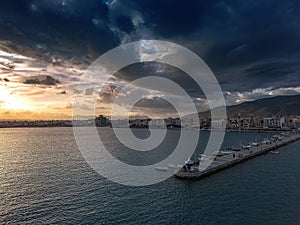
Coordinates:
44 179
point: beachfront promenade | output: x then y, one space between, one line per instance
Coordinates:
226 161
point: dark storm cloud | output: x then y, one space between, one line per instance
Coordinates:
274 72
139 70
124 23
155 105
247 44
240 33
56 27
170 19
48 80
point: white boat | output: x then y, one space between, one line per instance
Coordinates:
220 154
246 146
274 152
202 158
226 152
254 143
161 168
266 141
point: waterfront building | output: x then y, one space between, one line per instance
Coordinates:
102 121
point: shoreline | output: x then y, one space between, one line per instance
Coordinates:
227 130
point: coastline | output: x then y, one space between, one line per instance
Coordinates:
67 123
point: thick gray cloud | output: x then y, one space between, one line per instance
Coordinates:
154 106
48 80
247 44
108 94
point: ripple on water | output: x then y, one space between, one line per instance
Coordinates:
44 180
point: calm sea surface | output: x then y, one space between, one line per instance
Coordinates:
45 180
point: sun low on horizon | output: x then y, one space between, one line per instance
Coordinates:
23 102
29 91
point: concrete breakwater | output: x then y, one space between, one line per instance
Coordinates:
226 161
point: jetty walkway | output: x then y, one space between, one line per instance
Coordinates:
226 161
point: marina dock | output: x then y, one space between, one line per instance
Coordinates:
226 161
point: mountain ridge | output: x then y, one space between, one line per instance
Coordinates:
265 107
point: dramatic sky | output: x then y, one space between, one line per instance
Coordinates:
252 47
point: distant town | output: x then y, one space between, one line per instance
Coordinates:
234 124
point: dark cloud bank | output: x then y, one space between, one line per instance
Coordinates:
47 80
247 44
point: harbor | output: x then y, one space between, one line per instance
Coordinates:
226 159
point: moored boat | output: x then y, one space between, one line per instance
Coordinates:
274 152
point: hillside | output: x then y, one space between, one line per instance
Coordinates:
274 106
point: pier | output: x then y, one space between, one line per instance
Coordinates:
226 161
